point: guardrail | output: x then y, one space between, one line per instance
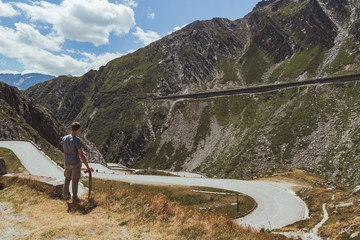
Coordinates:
262 89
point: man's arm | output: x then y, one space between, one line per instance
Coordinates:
63 150
83 158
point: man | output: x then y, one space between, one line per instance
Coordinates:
72 147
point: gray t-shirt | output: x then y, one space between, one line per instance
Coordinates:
71 146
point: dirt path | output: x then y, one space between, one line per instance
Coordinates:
9 228
313 234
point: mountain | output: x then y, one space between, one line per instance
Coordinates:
241 136
24 81
21 118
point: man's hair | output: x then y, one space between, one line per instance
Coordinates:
75 126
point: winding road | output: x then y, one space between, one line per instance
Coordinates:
36 162
278 205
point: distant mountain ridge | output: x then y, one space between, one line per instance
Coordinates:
24 81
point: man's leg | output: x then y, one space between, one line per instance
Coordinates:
67 174
76 172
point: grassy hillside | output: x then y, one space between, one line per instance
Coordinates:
123 214
314 128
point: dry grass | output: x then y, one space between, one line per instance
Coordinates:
295 176
184 195
33 184
180 222
121 215
343 221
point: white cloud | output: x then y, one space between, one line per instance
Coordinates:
18 83
95 61
9 72
31 49
83 20
28 35
151 16
146 37
177 28
130 3
6 10
72 51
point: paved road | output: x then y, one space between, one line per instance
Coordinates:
35 162
98 168
277 205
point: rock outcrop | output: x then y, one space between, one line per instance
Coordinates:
24 119
355 191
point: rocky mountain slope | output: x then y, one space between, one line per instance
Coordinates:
24 81
243 136
23 119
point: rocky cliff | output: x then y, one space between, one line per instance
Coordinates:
23 119
279 41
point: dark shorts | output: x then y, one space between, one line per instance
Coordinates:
73 172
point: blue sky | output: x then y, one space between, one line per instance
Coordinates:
73 36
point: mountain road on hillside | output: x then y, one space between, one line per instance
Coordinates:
262 88
277 204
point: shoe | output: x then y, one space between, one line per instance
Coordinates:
75 200
67 198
